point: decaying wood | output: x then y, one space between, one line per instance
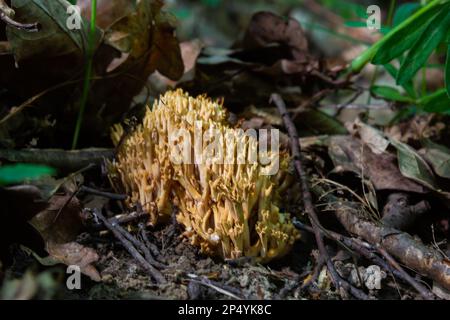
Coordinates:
307 200
58 158
368 251
410 251
420 288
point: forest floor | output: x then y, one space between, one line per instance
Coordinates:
370 157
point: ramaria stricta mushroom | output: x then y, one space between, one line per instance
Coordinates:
186 155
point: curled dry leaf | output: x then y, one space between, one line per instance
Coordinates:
292 55
73 253
372 137
190 50
154 47
59 225
54 37
413 166
267 28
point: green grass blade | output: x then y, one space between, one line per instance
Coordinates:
87 75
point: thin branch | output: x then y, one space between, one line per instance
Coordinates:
153 248
120 219
148 256
314 99
152 271
307 200
213 285
109 195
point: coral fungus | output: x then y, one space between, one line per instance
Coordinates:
185 155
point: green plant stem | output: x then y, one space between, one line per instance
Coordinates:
88 73
391 12
372 82
424 81
389 23
361 61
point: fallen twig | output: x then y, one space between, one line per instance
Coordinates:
109 195
152 247
152 271
148 256
307 200
120 219
315 274
58 158
315 98
213 285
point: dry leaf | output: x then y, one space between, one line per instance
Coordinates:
59 225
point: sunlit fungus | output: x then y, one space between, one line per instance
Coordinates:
186 157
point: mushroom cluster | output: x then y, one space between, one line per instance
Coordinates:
186 155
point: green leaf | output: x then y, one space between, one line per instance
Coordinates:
404 11
18 173
390 93
408 87
417 57
404 38
412 165
447 71
439 157
55 38
438 102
